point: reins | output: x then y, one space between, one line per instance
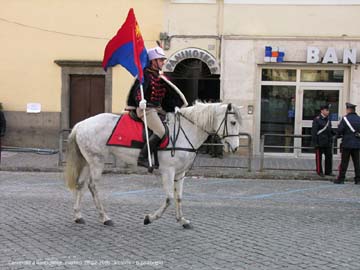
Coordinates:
176 133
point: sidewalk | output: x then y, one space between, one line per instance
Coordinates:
231 166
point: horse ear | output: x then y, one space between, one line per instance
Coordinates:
229 107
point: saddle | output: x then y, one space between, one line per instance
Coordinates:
129 131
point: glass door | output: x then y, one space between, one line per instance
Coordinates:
311 98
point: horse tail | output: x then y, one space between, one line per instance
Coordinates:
75 161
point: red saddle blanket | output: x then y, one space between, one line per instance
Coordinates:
130 133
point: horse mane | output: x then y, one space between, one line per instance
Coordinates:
204 114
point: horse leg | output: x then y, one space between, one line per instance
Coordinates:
178 191
168 185
79 192
96 172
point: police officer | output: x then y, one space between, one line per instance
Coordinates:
322 140
349 129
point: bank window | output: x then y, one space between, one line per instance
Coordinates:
287 75
313 99
322 76
278 116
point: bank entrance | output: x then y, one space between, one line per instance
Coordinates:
291 98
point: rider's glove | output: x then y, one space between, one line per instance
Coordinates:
177 109
142 104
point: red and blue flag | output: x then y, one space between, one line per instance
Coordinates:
127 48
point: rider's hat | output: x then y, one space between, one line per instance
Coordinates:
156 53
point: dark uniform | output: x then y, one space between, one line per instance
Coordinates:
156 92
2 126
2 123
350 145
322 141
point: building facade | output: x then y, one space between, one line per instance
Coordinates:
51 74
278 59
316 44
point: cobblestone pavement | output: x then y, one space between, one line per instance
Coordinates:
238 224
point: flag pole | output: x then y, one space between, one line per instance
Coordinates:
146 130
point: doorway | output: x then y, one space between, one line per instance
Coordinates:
291 99
311 99
193 77
87 97
84 68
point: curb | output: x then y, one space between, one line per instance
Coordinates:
196 172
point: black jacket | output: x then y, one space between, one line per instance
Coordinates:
324 139
349 140
2 124
131 100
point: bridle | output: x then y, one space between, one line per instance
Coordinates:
225 122
179 115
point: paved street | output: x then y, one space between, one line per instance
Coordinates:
238 224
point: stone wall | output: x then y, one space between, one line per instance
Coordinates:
39 130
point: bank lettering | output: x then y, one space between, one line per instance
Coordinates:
330 56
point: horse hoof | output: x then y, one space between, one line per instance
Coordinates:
147 220
109 223
80 221
188 226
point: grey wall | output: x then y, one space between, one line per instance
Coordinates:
38 130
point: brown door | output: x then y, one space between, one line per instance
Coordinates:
87 97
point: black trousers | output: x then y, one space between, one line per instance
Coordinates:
319 151
345 157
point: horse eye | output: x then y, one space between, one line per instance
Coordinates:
233 123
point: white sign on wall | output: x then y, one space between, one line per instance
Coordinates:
314 55
33 108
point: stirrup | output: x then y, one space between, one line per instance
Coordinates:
143 163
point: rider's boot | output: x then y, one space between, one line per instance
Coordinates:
143 157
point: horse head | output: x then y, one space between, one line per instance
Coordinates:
219 119
227 122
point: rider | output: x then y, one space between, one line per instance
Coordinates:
156 88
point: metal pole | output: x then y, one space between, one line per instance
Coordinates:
146 129
332 153
262 142
60 148
249 152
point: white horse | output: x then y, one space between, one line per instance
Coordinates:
189 128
